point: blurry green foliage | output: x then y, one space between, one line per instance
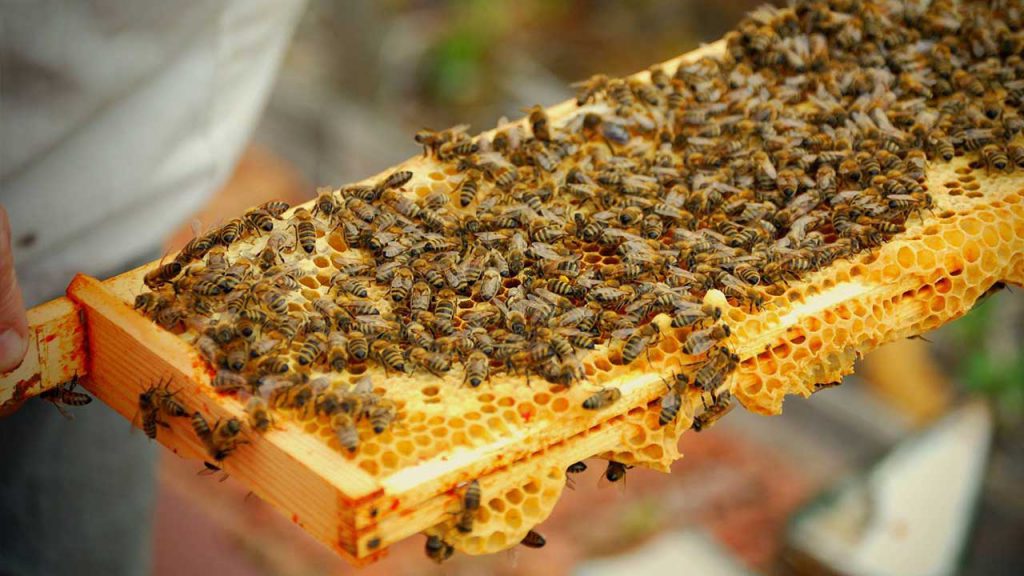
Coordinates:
986 368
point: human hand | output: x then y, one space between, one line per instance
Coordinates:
13 323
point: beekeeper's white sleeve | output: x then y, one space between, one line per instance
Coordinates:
118 117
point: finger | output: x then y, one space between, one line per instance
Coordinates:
13 323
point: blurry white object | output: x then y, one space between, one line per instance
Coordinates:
118 118
686 552
911 514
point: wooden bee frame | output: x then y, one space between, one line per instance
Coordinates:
929 274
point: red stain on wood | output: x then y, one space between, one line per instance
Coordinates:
295 518
394 504
50 338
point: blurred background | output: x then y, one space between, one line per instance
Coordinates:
362 76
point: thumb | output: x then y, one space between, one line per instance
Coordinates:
13 323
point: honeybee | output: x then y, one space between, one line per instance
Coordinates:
995 157
470 504
615 471
260 418
312 349
715 369
258 220
538 120
700 341
602 399
588 89
380 417
228 381
401 284
345 430
389 355
637 341
477 368
397 179
688 314
671 402
305 230
325 203
437 549
162 274
434 363
720 407
533 539
64 394
274 207
222 440
432 140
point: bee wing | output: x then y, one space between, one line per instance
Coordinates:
363 386
623 333
544 251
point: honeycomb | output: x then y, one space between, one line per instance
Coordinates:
519 430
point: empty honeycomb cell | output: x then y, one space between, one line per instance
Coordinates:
953 303
336 242
477 431
905 256
926 260
495 424
496 541
460 438
389 459
429 391
497 505
531 507
439 432
813 324
990 260
514 497
370 467
524 413
560 405
815 343
990 236
436 176
488 409
971 251
654 451
506 401
1005 232
637 435
405 447
970 225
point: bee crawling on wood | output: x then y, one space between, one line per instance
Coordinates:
65 395
155 400
222 438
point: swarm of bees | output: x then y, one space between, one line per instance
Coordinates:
806 142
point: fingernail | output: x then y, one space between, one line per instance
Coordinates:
12 349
